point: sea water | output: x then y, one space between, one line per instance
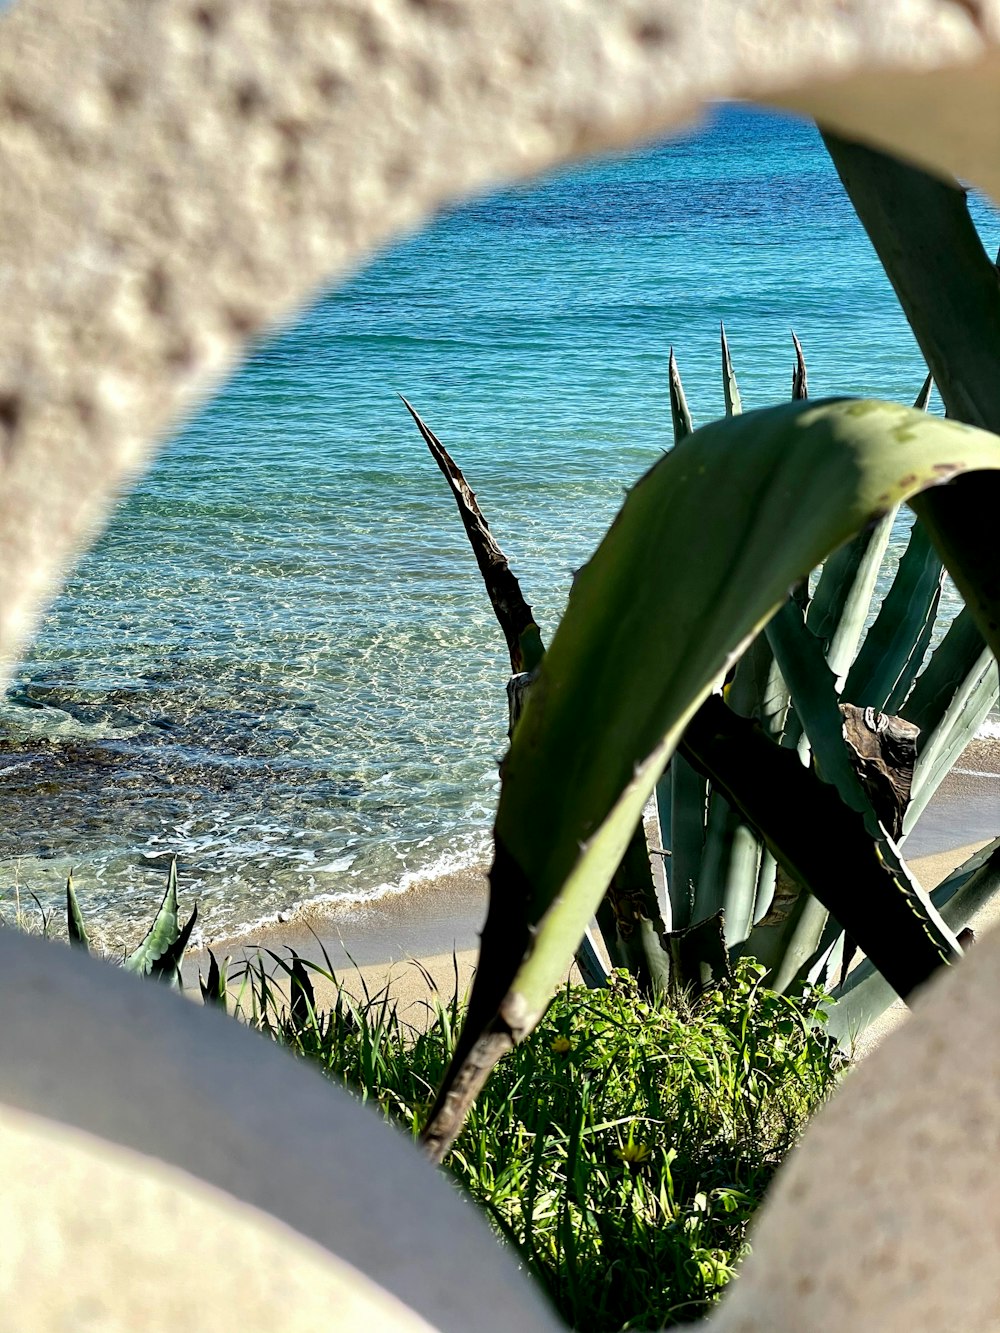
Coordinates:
279 662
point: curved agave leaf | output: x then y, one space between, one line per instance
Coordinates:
653 622
524 640
162 934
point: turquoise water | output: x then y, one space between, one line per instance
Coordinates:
279 662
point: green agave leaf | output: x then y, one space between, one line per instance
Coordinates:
799 654
839 608
938 749
679 413
852 875
730 389
688 811
74 918
947 285
788 936
590 963
162 934
633 918
895 645
866 995
729 867
632 893
168 966
653 622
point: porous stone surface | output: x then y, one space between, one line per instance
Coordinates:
887 1216
125 1243
177 175
135 1065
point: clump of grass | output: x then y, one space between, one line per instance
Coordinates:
622 1149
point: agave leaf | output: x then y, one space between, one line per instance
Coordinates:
969 887
168 966
215 989
958 713
849 872
647 633
840 605
894 647
632 893
524 642
790 934
688 807
639 934
730 389
162 934
800 656
679 413
757 688
766 885
74 918
800 382
947 285
729 867
865 995
590 963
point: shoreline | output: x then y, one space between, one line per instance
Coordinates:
436 922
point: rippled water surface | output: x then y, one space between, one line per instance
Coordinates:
279 662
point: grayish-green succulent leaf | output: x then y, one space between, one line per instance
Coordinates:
730 389
688 814
841 602
74 918
162 934
866 995
679 413
896 643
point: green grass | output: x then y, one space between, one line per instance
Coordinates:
622 1150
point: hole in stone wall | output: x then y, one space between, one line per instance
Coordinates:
279 660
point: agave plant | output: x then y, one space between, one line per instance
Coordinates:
640 663
161 952
814 671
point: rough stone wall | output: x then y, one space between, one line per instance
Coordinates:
175 175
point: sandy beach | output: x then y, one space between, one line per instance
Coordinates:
373 945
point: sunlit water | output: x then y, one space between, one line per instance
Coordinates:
279 662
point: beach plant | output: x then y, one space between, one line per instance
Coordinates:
623 1149
160 954
726 895
698 561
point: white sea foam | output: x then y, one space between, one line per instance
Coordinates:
449 863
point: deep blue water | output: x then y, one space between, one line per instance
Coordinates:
279 661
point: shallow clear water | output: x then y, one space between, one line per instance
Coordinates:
279 661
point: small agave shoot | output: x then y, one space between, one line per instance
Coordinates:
161 952
794 785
